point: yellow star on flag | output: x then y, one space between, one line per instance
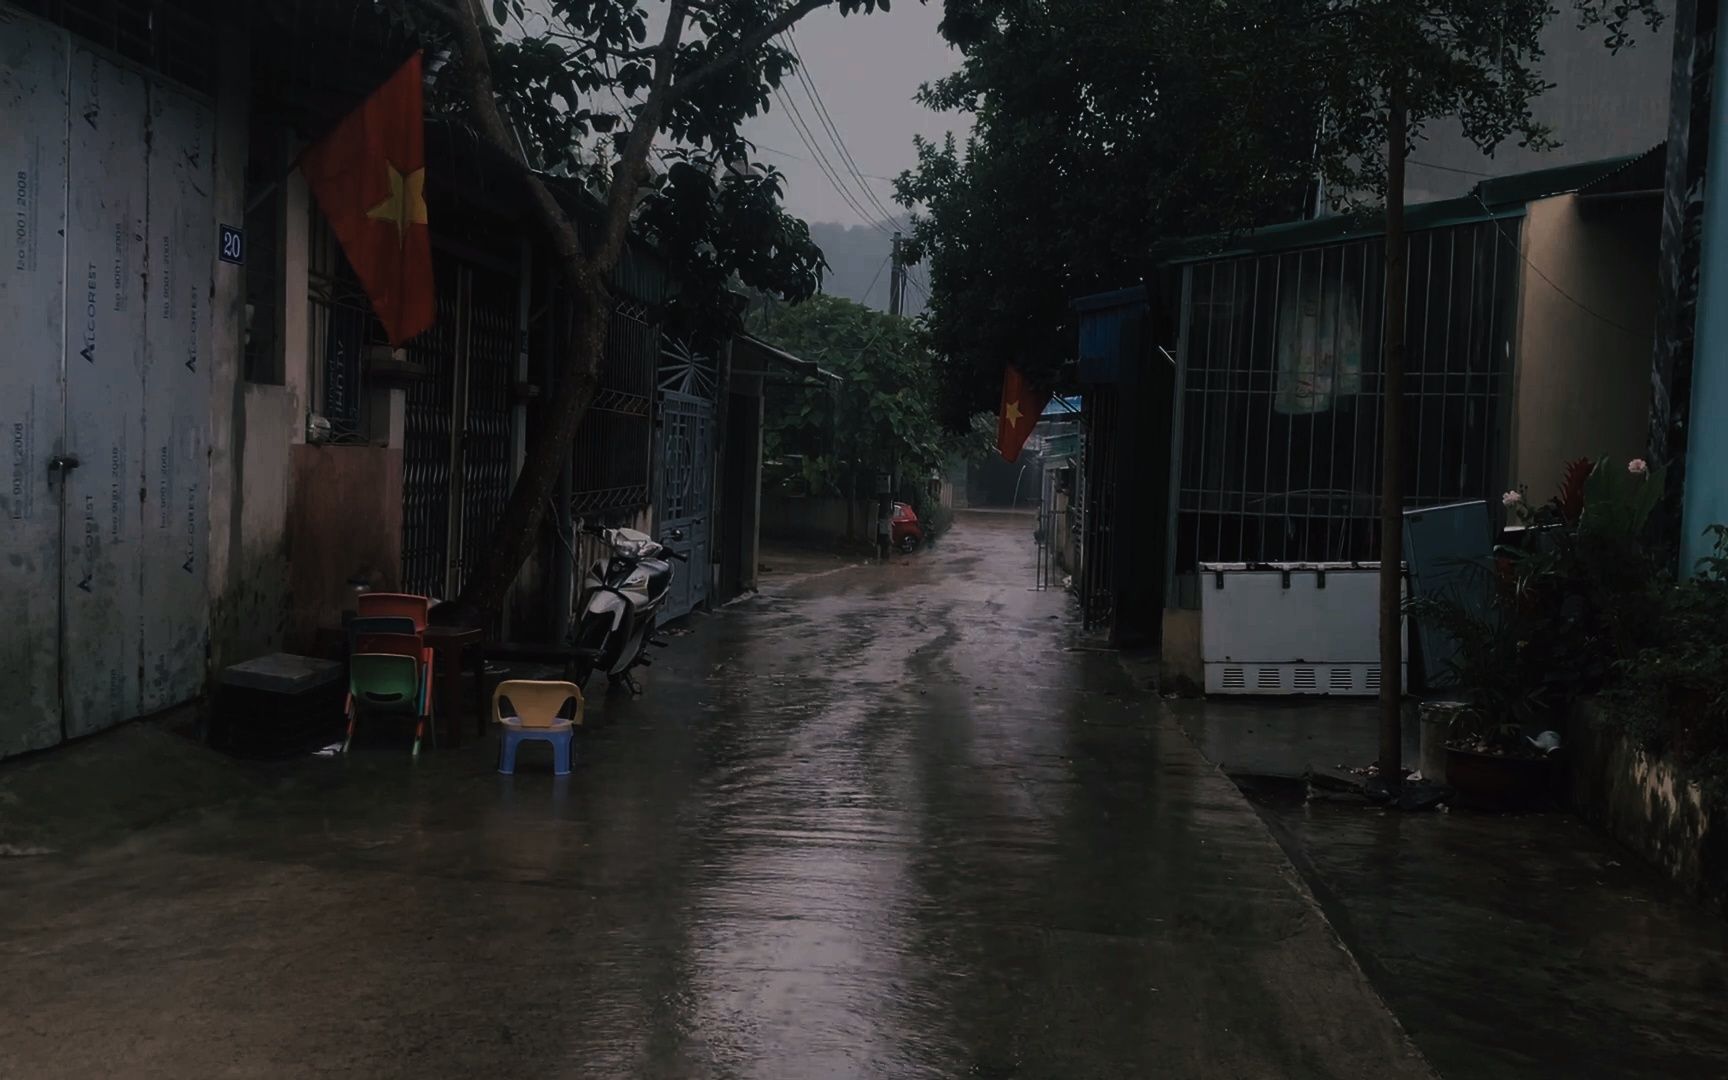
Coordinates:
407 202
1013 414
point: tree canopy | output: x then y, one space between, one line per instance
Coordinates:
1097 133
880 418
1102 130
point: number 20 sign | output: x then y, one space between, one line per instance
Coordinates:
232 246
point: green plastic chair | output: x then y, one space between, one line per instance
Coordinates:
385 683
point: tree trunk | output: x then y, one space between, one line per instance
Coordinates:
1392 454
518 528
584 274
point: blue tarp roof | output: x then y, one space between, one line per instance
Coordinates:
1061 408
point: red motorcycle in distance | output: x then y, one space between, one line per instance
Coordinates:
906 532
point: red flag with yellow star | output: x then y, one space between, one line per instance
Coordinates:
369 177
1021 407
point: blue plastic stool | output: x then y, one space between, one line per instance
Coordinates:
515 736
538 709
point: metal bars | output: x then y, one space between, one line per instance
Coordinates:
1281 394
611 460
1102 456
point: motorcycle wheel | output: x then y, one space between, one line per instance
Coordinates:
590 637
908 544
578 672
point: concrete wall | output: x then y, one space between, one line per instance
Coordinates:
1644 803
815 520
1587 318
253 425
1602 105
345 521
1181 663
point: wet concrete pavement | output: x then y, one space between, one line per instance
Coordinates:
1509 945
1516 945
889 822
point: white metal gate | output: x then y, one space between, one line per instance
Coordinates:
105 394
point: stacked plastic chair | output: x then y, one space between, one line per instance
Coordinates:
389 665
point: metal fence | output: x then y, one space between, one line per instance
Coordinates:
612 456
456 456
1281 392
342 328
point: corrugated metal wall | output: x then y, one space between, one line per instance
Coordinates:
104 295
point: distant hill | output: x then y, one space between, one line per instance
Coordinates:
858 265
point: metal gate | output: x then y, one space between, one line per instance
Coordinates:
688 381
106 395
1098 522
456 457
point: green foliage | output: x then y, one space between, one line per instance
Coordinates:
1584 605
1671 694
1499 666
879 419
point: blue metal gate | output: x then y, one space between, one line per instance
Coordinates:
688 382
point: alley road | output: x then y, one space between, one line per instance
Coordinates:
888 822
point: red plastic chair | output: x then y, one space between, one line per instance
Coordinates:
394 645
400 605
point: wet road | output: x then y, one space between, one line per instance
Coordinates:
888 822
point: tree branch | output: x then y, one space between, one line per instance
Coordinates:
747 44
627 177
483 103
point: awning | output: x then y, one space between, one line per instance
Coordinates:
753 357
1062 408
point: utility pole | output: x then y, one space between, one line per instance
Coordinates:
896 278
1392 450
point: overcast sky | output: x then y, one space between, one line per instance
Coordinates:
866 69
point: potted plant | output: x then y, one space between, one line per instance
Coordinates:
1564 609
1491 761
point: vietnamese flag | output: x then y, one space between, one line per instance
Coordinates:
1021 408
369 177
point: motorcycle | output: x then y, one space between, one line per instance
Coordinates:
626 592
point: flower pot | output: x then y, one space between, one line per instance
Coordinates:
1437 720
1497 781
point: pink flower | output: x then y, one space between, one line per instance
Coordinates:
1512 498
1638 467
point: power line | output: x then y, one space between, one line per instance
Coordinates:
1450 169
834 132
871 287
807 137
1552 284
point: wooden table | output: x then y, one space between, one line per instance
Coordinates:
448 645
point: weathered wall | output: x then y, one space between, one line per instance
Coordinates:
1583 376
1181 663
344 520
248 464
1642 802
815 520
250 614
